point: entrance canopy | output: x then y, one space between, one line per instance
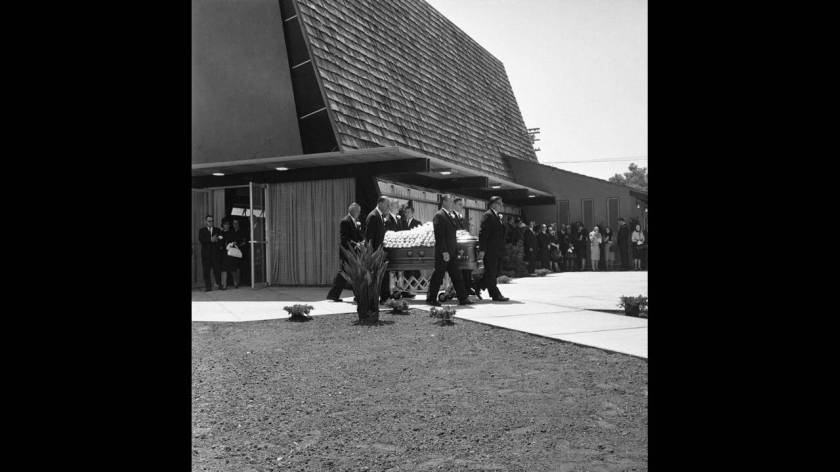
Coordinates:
399 164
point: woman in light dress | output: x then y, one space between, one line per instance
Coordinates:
595 240
637 239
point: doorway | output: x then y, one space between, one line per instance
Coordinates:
244 204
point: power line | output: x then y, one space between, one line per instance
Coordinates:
615 159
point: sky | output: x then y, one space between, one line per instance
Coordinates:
578 69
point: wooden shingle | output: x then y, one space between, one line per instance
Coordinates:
398 73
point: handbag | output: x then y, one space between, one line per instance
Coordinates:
233 251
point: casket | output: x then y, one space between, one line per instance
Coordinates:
411 258
423 258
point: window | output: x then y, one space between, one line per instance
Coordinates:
588 213
563 212
612 213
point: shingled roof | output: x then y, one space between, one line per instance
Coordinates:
398 73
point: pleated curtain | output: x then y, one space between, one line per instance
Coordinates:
304 229
218 198
200 208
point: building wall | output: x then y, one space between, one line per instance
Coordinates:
549 214
574 188
242 102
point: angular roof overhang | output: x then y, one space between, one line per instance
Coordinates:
397 163
641 195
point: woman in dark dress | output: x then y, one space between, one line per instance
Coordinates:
242 244
568 247
609 248
580 243
563 242
230 264
554 250
243 235
542 242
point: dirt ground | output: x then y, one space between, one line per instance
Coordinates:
410 396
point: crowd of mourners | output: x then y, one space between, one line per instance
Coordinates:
573 247
554 247
224 250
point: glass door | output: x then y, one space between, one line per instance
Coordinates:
257 215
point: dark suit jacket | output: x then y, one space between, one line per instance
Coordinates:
491 235
349 233
445 237
208 248
623 235
530 240
461 223
374 229
414 223
542 243
392 224
563 241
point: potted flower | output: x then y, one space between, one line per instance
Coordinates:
397 306
633 305
445 313
299 312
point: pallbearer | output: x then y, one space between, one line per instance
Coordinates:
393 222
491 246
462 224
351 235
410 221
375 235
406 223
446 254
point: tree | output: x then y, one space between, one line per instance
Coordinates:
636 178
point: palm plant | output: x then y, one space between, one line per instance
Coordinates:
364 268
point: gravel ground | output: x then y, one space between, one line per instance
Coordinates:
410 396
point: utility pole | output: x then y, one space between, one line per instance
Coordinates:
533 132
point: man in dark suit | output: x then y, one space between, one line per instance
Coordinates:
410 221
466 274
531 247
624 243
351 234
375 235
211 256
491 246
393 221
446 254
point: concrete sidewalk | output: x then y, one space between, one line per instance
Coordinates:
558 306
